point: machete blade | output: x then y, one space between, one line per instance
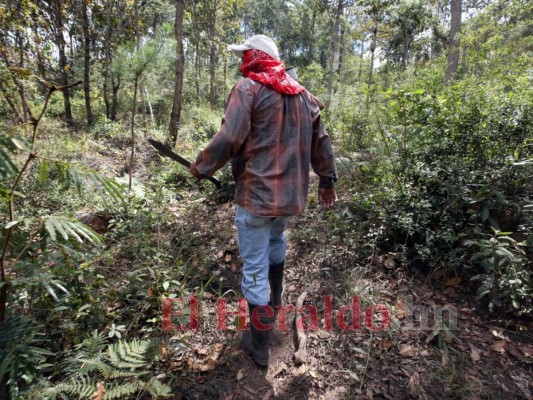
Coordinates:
167 151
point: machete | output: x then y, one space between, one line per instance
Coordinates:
166 151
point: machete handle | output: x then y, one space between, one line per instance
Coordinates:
215 181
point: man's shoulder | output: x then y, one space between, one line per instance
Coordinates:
246 85
314 103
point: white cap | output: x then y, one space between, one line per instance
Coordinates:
258 42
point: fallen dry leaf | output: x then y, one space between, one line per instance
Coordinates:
100 391
322 334
314 373
240 375
268 394
450 292
201 352
164 351
528 351
474 354
389 262
415 390
516 353
206 364
445 359
399 309
498 346
385 344
408 351
499 335
300 371
425 353
454 282
201 379
228 257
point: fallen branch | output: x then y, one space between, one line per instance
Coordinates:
300 356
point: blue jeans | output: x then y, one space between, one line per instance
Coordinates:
262 243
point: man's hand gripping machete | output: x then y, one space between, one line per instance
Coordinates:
166 151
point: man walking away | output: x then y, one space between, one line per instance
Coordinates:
272 132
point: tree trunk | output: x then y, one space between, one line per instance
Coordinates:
212 55
115 83
132 150
225 71
342 51
137 47
108 60
20 90
361 60
143 104
136 24
86 62
371 69
197 69
20 42
63 66
333 51
178 85
453 50
40 63
149 106
311 32
405 51
106 98
10 102
372 53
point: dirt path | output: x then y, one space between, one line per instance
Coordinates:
407 360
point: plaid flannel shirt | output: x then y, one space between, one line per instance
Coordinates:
271 140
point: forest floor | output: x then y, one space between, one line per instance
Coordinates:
469 356
474 359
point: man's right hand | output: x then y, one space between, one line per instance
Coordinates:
194 171
327 197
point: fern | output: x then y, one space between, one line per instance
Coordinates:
83 387
121 367
9 145
85 180
121 391
93 345
129 355
109 371
69 229
20 356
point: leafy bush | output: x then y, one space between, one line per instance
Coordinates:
507 276
444 180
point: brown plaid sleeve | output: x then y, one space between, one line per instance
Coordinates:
235 128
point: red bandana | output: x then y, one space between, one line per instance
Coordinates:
260 67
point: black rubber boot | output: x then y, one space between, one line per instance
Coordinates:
256 341
275 277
